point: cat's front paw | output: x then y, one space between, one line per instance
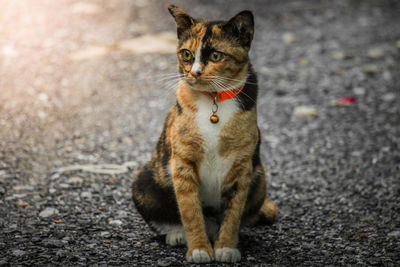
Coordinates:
199 256
226 254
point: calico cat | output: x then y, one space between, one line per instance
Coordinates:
205 178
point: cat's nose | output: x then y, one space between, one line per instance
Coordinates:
195 74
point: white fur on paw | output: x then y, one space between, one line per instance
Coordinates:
227 254
175 238
199 256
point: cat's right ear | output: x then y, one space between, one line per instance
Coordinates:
183 20
242 27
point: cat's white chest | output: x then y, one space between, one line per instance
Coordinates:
214 167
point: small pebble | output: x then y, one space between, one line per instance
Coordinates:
166 261
75 180
342 55
389 97
48 212
127 140
359 91
64 186
303 62
115 222
289 37
121 214
14 196
23 187
53 243
305 111
86 194
375 53
371 69
394 234
22 203
61 253
18 253
127 254
105 234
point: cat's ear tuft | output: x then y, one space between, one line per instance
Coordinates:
183 20
242 27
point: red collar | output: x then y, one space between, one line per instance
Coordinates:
221 96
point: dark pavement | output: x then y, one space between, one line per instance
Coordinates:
76 89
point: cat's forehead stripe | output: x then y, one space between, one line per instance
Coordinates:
199 29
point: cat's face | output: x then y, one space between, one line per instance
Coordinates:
213 55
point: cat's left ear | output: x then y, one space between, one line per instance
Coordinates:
183 20
241 26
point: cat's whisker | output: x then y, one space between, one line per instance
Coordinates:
227 84
214 85
224 88
231 79
224 85
159 77
167 78
166 74
253 100
249 97
169 83
170 87
221 86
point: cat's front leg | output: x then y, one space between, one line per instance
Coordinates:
186 185
234 195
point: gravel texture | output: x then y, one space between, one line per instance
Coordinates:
334 168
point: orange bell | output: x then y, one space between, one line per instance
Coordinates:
214 118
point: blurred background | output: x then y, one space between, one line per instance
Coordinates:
81 81
89 82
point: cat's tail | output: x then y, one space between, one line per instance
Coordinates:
266 215
268 212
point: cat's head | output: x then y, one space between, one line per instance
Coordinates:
213 55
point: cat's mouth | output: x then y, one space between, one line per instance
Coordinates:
199 84
210 85
204 86
207 85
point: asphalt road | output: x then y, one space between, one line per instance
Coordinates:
71 94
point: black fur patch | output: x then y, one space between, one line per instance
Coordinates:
178 108
163 149
227 195
251 211
255 183
205 54
248 97
210 212
241 28
207 49
160 204
256 156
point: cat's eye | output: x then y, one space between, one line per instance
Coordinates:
186 55
216 56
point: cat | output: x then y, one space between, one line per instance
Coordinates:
205 178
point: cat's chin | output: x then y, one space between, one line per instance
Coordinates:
199 86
